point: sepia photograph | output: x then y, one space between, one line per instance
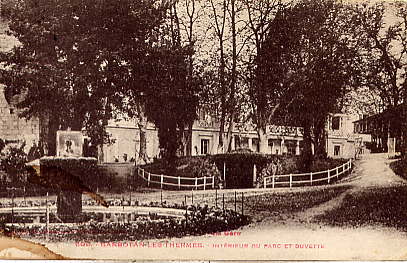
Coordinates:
203 130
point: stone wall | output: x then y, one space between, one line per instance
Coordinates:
15 130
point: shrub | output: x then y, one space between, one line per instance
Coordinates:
196 166
70 163
83 169
326 163
13 163
75 165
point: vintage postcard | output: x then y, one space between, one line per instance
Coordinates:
202 130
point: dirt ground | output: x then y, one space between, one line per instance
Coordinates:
297 237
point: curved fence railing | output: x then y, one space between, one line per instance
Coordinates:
307 178
177 181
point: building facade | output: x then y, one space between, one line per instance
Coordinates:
384 128
341 141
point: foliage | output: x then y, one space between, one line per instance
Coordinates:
239 167
306 65
384 52
71 52
293 166
241 164
208 168
2 145
82 170
196 166
35 152
275 168
200 220
68 162
171 101
13 163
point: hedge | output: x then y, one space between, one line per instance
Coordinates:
83 169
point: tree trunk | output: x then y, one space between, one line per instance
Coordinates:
188 140
263 143
230 132
307 151
220 25
100 153
222 139
142 152
319 139
53 126
232 101
221 144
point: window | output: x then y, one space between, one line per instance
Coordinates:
204 146
291 147
11 111
337 150
336 121
244 143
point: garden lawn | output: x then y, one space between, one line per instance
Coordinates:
371 207
399 167
282 206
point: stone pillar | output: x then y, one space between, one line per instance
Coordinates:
250 143
69 205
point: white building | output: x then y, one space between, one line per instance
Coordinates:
341 142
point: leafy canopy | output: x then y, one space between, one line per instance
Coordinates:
77 59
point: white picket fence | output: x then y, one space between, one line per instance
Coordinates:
177 181
312 177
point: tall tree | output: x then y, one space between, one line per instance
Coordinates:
260 19
220 22
76 59
383 28
307 63
171 87
171 101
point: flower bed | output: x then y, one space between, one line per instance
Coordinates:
200 220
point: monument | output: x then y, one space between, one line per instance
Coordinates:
63 171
